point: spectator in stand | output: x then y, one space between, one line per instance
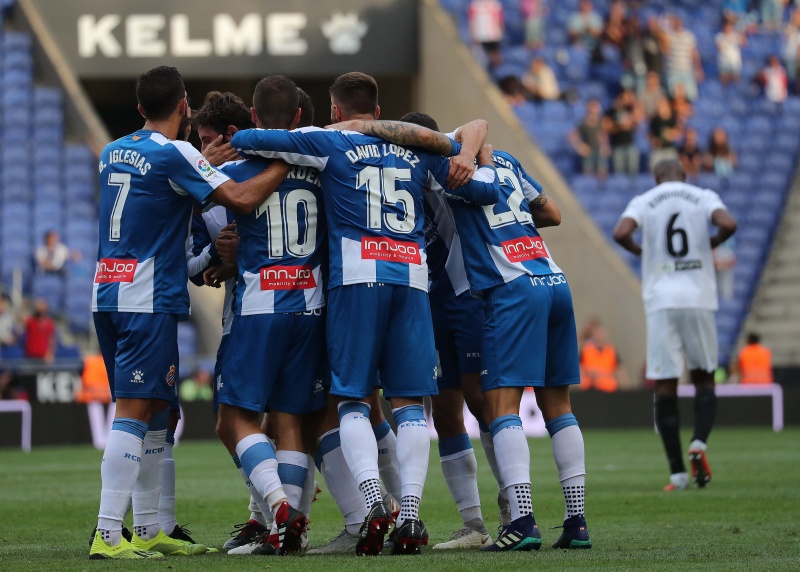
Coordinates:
94 381
620 123
198 387
486 27
729 47
601 367
634 60
724 263
772 13
791 47
534 12
590 141
653 53
683 60
53 254
40 334
585 26
720 157
665 132
754 363
737 12
681 106
513 91
540 81
774 80
651 95
615 28
8 325
690 154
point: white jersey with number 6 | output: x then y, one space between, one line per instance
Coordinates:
677 263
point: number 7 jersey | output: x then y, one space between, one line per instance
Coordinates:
148 184
677 262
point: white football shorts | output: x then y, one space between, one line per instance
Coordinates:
673 334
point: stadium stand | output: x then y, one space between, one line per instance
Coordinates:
47 183
754 124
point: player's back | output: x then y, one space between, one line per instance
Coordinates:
677 261
500 242
144 221
281 254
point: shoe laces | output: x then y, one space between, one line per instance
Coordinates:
461 533
239 528
183 529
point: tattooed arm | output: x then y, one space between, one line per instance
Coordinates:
545 211
399 133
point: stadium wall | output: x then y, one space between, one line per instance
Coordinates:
453 88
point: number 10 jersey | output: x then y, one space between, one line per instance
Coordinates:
677 262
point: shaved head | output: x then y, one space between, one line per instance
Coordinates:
668 170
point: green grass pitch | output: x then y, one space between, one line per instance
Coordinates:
747 519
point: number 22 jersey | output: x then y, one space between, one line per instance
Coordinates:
677 262
148 184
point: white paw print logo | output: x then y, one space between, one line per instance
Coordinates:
318 386
138 377
344 32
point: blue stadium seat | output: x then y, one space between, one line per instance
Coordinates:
51 288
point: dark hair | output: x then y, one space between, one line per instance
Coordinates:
306 109
668 170
753 338
419 118
355 93
220 110
158 91
276 101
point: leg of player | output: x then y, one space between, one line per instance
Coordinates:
241 427
341 484
413 454
387 453
705 412
292 458
166 502
119 473
668 425
568 452
460 469
513 461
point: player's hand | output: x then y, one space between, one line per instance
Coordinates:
351 125
215 276
227 244
219 152
461 169
485 155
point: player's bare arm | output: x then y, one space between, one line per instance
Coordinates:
472 136
400 133
623 234
545 211
219 152
244 197
726 226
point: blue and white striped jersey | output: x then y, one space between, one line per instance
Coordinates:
148 185
373 198
281 244
201 254
447 277
500 242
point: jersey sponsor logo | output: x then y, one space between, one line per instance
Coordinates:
171 375
204 168
552 280
115 270
388 250
287 278
524 248
678 266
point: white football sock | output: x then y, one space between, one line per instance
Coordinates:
514 463
309 488
166 502
360 448
491 458
340 481
147 491
568 452
413 454
118 472
460 469
260 465
259 509
387 459
292 471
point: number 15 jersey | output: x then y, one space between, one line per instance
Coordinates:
373 198
677 263
148 184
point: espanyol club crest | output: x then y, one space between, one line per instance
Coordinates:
171 376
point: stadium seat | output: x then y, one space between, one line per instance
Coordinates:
51 288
